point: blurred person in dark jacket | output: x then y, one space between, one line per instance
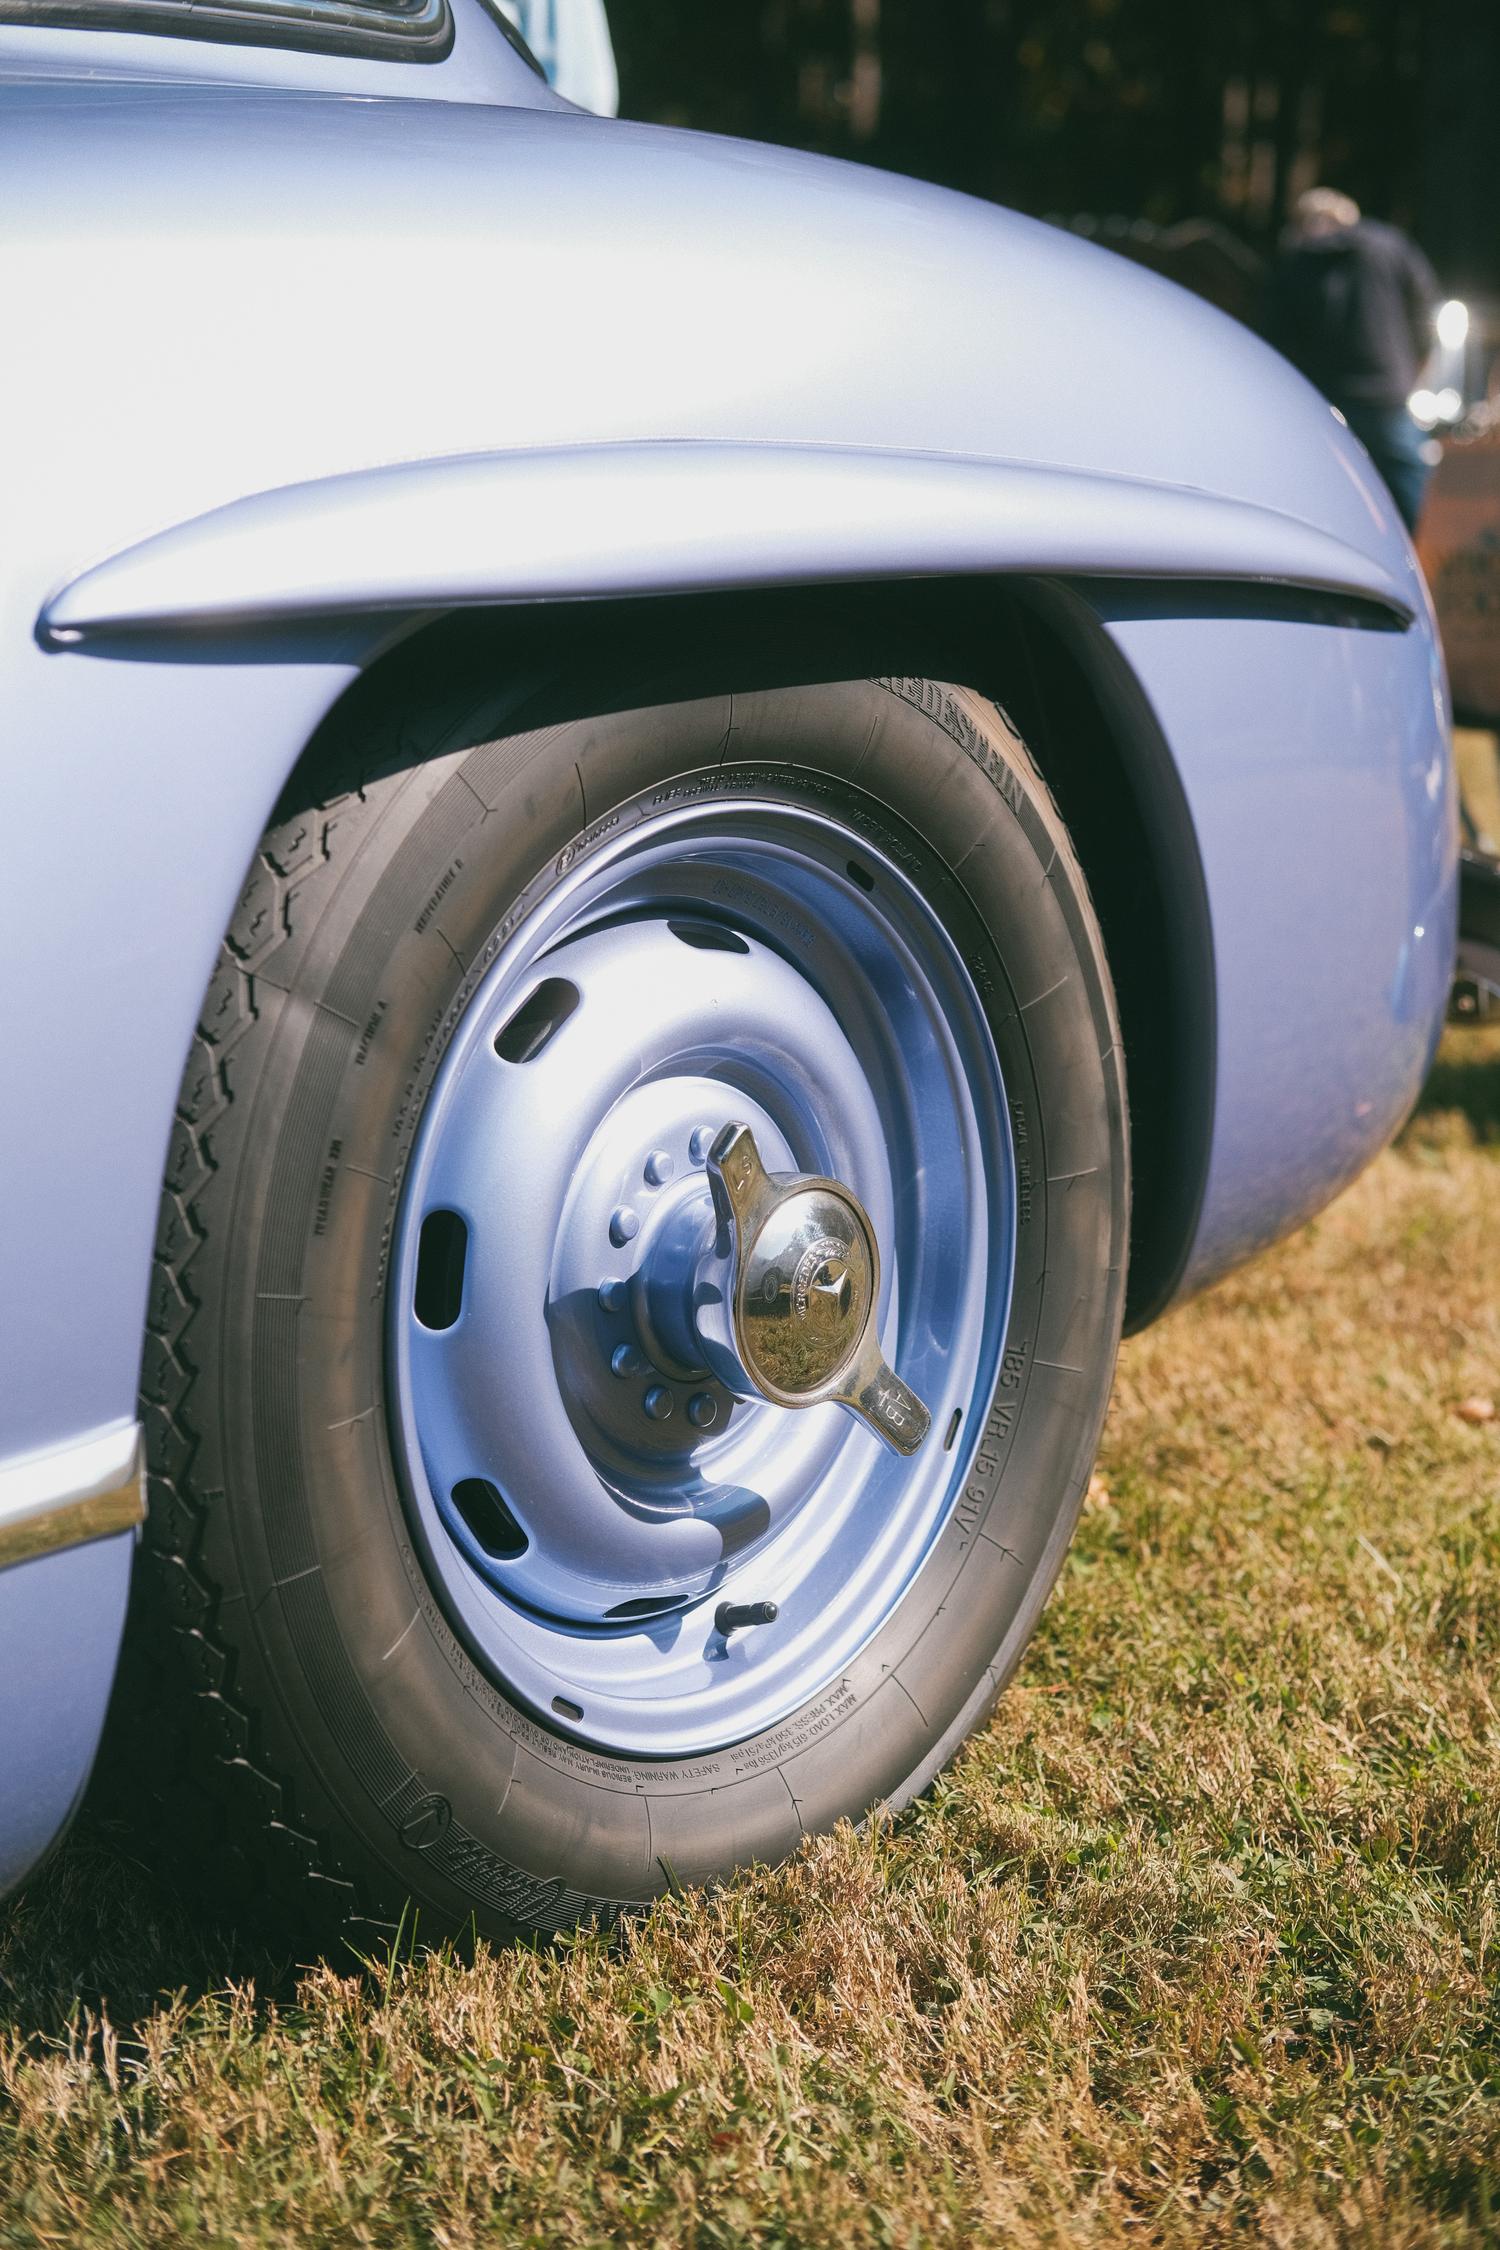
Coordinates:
1350 302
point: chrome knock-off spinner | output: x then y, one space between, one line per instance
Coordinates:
793 1319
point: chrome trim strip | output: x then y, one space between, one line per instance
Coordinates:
653 517
91 1489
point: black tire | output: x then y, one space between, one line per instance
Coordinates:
277 1550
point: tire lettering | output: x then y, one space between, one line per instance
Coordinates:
437 897
325 1187
366 1037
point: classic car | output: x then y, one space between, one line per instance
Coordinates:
677 820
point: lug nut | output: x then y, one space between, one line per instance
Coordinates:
700 1144
659 1168
729 1616
658 1402
612 1295
626 1359
703 1410
623 1226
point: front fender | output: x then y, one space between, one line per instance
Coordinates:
284 288
567 525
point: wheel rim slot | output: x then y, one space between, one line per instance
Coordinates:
537 1021
442 1255
487 1518
709 937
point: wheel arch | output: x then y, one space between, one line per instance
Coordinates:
1032 645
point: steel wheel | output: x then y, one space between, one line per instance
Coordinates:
600 1483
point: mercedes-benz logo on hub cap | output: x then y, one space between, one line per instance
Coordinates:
809 1274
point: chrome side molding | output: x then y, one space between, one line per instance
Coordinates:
88 1490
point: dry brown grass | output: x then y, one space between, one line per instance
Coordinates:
1197 1943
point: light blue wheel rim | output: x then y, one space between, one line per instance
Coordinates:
745 960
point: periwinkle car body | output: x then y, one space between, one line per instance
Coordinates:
312 352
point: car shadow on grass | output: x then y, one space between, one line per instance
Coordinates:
1465 1081
96 1932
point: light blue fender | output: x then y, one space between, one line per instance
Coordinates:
1315 764
565 525
291 356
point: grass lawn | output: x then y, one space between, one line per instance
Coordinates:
1199 1942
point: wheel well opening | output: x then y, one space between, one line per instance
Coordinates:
1086 722
1034 647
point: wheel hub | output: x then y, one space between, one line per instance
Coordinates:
787 1300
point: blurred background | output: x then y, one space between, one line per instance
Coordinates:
1135 119
1181 135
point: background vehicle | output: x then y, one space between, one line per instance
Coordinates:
682 672
1460 548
